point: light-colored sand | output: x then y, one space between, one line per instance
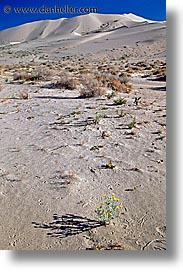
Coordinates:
50 180
80 24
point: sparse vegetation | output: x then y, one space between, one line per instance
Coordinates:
110 165
96 148
133 123
120 101
75 112
90 87
121 113
65 81
98 117
32 74
109 208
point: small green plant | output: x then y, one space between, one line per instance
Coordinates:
120 101
96 148
76 113
120 113
98 117
110 165
108 209
133 123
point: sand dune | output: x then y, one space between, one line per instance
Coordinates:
81 25
56 146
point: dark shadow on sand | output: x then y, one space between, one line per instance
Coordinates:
67 225
57 97
159 88
64 97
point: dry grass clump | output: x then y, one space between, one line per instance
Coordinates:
90 87
65 81
116 83
93 84
121 84
33 74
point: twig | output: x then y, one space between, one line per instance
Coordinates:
150 242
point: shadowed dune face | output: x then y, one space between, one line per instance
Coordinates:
76 26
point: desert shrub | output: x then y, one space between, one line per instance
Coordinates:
90 87
20 76
36 74
116 84
108 209
65 82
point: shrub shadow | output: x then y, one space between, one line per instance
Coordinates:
159 88
56 97
68 225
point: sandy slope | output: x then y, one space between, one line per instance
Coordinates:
80 24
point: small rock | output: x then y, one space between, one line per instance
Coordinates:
23 95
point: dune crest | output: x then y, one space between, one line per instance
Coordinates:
79 25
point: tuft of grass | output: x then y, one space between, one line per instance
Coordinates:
120 101
98 117
133 123
121 113
96 148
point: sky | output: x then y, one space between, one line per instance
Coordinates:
9 17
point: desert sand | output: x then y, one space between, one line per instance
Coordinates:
55 143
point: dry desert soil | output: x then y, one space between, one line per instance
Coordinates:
71 101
